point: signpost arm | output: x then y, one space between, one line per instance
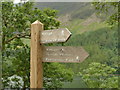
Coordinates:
36 69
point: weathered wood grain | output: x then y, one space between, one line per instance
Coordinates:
64 54
56 35
36 73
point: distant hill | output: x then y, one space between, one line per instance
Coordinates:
79 10
79 17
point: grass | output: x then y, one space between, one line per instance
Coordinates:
76 26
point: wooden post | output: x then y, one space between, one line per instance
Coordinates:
36 69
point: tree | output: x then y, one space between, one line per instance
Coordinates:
110 9
99 75
16 21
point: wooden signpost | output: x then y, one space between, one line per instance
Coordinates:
64 54
40 53
56 35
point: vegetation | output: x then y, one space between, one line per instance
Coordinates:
16 54
107 7
102 46
79 10
99 70
100 75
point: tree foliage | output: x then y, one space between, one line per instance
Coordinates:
111 9
102 46
99 75
57 75
16 21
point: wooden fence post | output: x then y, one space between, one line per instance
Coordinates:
36 69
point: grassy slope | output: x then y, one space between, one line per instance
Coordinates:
75 9
63 7
76 26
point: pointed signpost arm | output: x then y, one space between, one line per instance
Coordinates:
64 54
36 73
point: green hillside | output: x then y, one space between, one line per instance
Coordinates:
78 17
101 45
74 9
79 26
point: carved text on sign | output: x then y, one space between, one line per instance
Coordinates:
64 54
56 35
